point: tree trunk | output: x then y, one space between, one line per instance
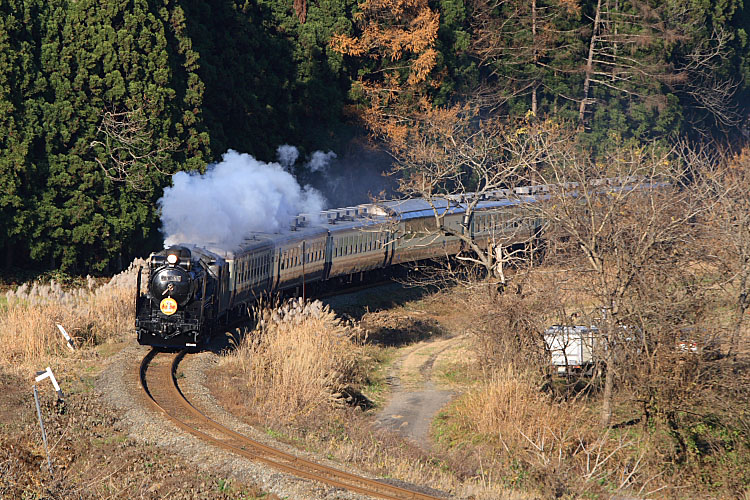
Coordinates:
590 62
536 56
743 303
609 382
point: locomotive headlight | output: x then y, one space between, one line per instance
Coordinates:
172 258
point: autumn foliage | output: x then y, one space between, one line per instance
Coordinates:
399 37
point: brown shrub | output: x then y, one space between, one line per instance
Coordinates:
547 444
294 363
91 315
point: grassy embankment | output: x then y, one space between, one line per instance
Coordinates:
92 455
514 431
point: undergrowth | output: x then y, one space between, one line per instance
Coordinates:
90 314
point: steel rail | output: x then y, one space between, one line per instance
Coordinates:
170 401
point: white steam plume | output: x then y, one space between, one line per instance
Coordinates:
233 198
319 161
287 155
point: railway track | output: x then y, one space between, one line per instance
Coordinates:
157 376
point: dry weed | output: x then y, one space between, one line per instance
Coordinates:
91 315
556 443
301 357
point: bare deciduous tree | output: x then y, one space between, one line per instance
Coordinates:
455 161
622 231
126 150
513 39
727 229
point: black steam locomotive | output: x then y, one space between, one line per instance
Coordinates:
192 289
181 305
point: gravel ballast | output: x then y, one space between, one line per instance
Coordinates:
120 388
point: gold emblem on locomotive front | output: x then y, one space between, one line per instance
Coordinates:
168 306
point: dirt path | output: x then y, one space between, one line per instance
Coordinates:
417 390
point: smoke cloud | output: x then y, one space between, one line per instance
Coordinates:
319 161
233 198
287 155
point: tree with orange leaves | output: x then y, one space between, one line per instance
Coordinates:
397 40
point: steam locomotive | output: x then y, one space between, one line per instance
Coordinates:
192 289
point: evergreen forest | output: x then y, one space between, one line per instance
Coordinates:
102 101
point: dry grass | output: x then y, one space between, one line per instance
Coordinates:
301 357
534 442
543 435
287 375
510 406
91 315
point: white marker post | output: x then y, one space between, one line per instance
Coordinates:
69 340
48 373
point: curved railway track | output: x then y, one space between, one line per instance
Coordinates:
157 377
